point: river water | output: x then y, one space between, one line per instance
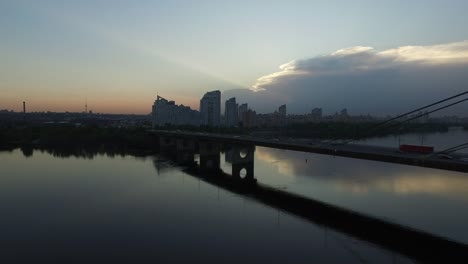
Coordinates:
440 141
122 208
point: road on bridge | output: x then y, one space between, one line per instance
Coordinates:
458 162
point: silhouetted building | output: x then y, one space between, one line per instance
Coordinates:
316 113
249 118
282 111
242 109
281 116
210 108
344 112
168 113
231 112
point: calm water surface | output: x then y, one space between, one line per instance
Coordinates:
140 210
432 200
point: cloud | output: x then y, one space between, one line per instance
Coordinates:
366 80
451 53
361 58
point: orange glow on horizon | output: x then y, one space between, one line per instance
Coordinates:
138 105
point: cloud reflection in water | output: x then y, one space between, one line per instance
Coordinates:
361 176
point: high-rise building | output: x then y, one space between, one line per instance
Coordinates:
282 111
168 113
242 109
316 113
230 112
249 118
210 108
344 112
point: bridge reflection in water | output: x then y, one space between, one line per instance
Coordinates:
183 151
420 246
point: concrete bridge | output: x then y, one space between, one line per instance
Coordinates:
183 150
384 154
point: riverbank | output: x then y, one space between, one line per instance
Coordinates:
69 139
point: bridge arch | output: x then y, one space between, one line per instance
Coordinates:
242 159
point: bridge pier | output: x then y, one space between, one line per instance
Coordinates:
185 151
167 143
209 156
242 159
167 146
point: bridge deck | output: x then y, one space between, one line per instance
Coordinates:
376 153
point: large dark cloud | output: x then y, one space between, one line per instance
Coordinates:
365 81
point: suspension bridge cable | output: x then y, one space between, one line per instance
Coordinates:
408 113
421 108
415 117
453 149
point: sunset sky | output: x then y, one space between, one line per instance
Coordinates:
119 54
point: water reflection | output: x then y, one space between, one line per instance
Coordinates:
439 141
27 150
369 179
85 152
403 240
359 176
448 186
120 210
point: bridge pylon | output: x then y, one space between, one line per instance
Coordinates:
209 156
167 146
185 150
242 159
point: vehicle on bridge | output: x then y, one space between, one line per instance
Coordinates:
416 149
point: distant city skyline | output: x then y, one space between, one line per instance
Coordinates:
166 112
118 56
281 109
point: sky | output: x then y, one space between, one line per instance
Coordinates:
118 55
